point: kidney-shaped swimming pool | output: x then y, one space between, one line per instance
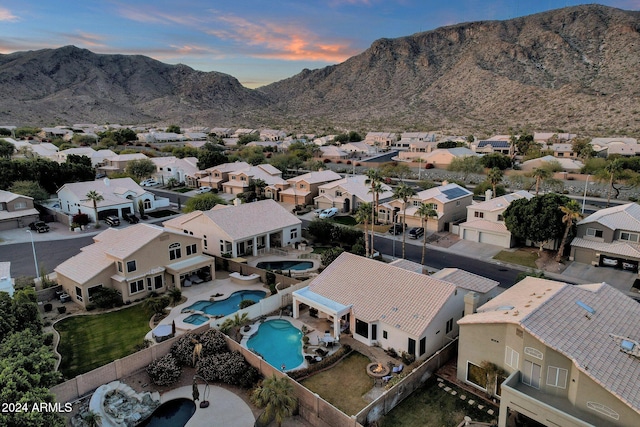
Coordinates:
226 306
279 343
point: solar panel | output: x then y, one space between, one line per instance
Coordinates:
454 193
496 144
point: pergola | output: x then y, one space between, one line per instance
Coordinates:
323 304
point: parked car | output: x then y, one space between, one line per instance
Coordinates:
112 220
328 213
203 190
610 262
317 212
150 182
130 218
39 226
397 229
416 232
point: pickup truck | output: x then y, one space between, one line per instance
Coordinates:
39 226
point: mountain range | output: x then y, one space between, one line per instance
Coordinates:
574 69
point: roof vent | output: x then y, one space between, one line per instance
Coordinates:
627 345
586 308
504 307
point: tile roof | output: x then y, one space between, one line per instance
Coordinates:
622 217
316 177
617 247
229 167
356 185
408 265
7 196
443 193
112 190
500 203
382 292
465 280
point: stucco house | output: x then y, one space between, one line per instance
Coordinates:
303 188
563 354
348 193
609 238
215 176
380 139
566 164
97 157
384 305
136 261
490 146
450 202
240 230
120 195
118 163
331 152
182 170
16 210
485 221
440 157
240 180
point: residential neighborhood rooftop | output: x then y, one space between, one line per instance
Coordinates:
624 217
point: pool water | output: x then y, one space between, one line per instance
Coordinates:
174 413
285 265
226 306
196 319
279 343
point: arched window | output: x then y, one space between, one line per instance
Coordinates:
174 251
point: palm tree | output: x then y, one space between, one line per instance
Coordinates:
95 197
612 170
375 180
571 213
235 322
277 397
425 211
172 182
540 174
494 177
175 295
259 184
363 214
403 192
92 419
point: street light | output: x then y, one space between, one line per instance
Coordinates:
35 259
584 197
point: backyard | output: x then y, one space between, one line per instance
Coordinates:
87 342
345 384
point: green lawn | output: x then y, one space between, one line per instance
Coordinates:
87 342
182 189
433 407
344 384
526 257
345 220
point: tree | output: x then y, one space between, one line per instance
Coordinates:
95 198
30 189
247 138
494 177
466 165
330 255
235 323
172 182
403 192
540 174
538 219
277 397
496 160
6 149
173 129
374 179
363 216
203 202
141 168
613 171
425 212
209 158
571 213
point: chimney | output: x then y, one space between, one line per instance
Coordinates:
471 301
488 195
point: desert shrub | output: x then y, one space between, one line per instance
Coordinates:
164 371
47 339
48 307
62 309
213 342
182 349
227 367
408 358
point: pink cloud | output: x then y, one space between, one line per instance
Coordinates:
7 16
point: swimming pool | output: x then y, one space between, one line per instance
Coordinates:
174 413
226 306
279 343
196 319
285 265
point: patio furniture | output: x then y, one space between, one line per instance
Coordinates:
195 279
386 378
321 352
397 369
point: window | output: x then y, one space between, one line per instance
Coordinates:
593 232
556 377
531 374
149 286
158 282
533 352
423 345
449 326
20 205
137 286
321 191
458 203
119 264
217 175
417 203
338 193
630 237
147 204
303 186
411 346
603 409
78 293
131 266
294 233
362 328
384 334
192 249
476 375
174 251
243 178
511 357
500 217
478 214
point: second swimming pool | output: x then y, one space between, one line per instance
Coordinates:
279 343
285 265
226 306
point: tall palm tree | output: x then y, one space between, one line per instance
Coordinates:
363 214
612 170
277 397
404 192
95 197
425 211
540 174
571 213
494 177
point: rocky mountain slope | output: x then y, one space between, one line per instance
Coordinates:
574 69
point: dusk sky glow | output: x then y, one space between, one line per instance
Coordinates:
256 41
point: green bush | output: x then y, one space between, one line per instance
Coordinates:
182 349
229 368
327 361
47 339
246 303
164 371
106 298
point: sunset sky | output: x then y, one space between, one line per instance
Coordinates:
256 41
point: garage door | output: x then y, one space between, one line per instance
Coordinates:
469 235
493 239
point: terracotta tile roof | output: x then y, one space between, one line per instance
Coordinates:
316 177
622 217
465 280
382 292
408 265
356 185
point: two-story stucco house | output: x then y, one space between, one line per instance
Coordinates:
136 261
485 221
450 202
302 189
240 180
118 163
349 193
240 230
563 354
215 176
16 210
609 238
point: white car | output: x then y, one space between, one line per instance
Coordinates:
148 182
328 213
203 190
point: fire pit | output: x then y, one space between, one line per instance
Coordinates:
377 370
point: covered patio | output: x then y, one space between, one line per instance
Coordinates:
185 272
332 313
